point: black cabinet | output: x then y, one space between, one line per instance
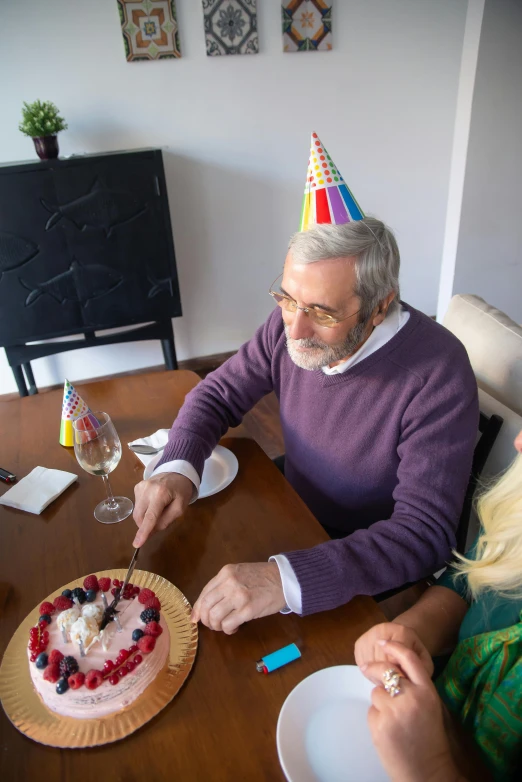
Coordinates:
85 244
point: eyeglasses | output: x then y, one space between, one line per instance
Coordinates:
320 317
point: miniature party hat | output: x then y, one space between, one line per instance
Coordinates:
73 407
327 199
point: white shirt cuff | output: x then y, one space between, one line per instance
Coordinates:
182 468
291 588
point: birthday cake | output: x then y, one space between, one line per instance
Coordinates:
82 671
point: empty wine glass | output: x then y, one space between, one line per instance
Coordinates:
98 450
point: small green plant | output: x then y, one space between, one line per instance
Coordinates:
41 118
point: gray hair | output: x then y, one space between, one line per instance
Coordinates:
374 247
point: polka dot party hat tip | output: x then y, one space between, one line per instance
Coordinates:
327 199
73 407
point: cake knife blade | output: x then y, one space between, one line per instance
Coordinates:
110 611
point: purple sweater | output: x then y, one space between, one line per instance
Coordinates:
381 453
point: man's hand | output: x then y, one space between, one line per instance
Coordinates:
239 593
369 647
159 501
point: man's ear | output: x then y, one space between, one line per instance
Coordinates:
382 309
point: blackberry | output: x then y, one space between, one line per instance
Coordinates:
149 615
137 635
90 595
67 593
79 594
62 686
68 666
42 660
45 618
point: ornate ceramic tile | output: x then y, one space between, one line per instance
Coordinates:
307 25
150 29
230 27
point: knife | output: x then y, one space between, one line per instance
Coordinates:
110 611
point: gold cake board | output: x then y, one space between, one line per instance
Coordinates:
30 715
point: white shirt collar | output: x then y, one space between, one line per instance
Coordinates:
396 318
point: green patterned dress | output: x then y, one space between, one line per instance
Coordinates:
482 683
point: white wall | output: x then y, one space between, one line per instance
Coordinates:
483 246
235 133
489 255
468 72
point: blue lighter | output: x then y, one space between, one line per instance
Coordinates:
272 662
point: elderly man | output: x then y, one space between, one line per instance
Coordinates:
379 413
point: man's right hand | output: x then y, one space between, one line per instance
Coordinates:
159 501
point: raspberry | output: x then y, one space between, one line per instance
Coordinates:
52 673
76 680
149 615
62 603
154 629
47 608
93 679
145 594
104 584
146 644
55 657
91 582
153 603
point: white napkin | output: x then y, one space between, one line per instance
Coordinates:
38 489
157 439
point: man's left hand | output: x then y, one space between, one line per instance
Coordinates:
238 594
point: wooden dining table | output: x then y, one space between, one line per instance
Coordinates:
222 723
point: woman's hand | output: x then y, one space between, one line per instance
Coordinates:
408 729
370 647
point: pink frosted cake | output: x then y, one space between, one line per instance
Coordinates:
117 664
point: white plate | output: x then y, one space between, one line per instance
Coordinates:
219 471
322 731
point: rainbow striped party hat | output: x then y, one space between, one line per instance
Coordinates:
327 199
73 407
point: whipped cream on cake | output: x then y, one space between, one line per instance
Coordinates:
119 662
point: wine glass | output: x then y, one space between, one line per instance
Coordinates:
98 450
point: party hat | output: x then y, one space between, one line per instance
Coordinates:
327 199
73 407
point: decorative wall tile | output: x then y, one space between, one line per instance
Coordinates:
150 29
230 27
307 25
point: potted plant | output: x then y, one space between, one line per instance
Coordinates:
41 121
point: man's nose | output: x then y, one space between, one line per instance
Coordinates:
300 326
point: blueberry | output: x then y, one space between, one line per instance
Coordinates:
90 595
137 634
42 660
62 686
79 594
67 593
45 618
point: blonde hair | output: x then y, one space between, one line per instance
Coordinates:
498 564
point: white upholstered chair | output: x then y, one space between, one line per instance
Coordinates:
494 345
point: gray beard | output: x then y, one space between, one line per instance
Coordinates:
323 354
